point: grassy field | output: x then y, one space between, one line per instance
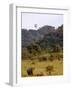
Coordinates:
43 67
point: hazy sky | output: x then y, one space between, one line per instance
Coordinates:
30 19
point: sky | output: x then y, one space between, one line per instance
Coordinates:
35 21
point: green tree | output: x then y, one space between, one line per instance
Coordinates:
25 54
56 48
34 49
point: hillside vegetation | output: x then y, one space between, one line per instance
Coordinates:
42 51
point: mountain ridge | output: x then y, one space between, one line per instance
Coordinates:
31 35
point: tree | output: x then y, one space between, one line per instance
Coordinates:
25 54
34 49
56 48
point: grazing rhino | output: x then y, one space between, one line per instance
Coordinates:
30 71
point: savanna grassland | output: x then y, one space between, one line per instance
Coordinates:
44 65
42 56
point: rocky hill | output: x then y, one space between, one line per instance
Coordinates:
32 36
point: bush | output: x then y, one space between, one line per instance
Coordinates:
59 57
33 62
51 57
43 58
41 74
49 69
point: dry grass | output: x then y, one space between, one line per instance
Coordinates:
40 67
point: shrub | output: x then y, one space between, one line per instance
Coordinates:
59 57
49 69
40 74
51 57
33 62
43 58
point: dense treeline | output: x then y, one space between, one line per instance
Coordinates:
37 43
